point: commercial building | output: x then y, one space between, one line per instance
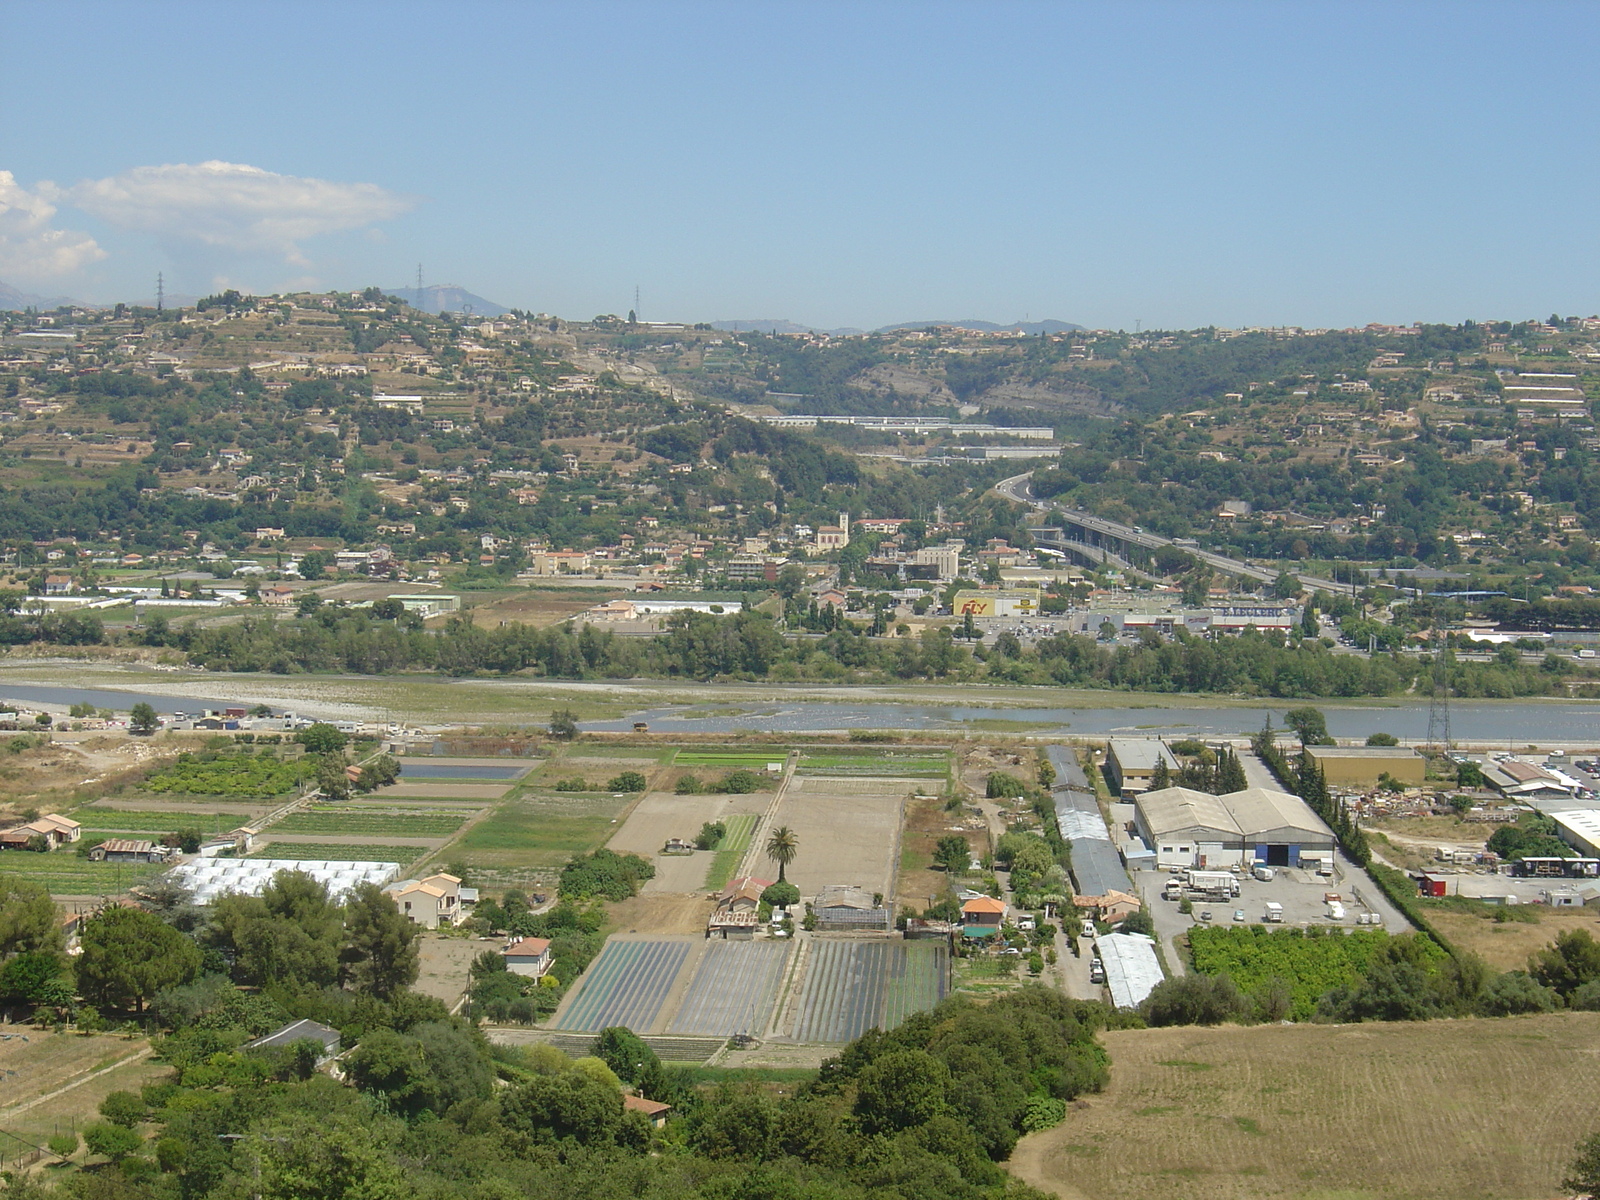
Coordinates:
1131 762
1187 828
1360 766
1580 829
1016 602
1131 966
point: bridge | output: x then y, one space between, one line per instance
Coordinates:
1095 541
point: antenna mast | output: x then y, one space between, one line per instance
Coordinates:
419 286
1439 700
161 292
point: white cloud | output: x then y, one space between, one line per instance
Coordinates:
30 248
233 207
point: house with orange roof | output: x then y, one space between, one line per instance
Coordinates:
982 916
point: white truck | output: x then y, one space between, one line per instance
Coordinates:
1335 910
1212 883
1263 872
1274 913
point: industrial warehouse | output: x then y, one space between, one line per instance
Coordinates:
1187 828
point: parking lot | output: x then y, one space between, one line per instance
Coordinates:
1299 891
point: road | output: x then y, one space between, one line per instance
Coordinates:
1020 489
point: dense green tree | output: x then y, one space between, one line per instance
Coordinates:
952 853
28 917
142 720
381 956
322 738
1571 961
128 955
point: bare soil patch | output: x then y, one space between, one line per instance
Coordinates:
662 815
539 607
848 832
651 913
444 963
424 790
1353 1112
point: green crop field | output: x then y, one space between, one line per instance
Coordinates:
65 874
876 762
533 834
340 851
726 860
728 761
117 820
351 823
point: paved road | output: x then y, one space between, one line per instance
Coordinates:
1020 489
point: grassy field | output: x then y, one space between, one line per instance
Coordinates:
351 823
1435 1110
65 874
529 837
47 1063
340 851
1506 945
726 860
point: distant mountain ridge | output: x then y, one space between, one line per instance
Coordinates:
438 298
771 325
12 298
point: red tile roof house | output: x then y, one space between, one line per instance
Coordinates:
654 1111
982 917
530 956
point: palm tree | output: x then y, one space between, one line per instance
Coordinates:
782 845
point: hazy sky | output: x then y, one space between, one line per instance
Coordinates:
860 163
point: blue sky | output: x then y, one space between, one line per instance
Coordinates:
1177 164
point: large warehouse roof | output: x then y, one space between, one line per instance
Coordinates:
1263 810
1140 754
1132 969
1180 809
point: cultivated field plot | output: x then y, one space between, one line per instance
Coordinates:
99 820
733 989
626 985
730 851
394 822
886 761
848 832
65 874
729 760
851 987
529 837
32 1069
433 790
353 851
1410 1111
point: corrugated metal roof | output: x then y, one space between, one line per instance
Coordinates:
1262 810
1180 808
1132 968
1096 865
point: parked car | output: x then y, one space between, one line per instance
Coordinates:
1205 914
1097 971
1238 914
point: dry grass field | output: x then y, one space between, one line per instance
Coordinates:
661 815
1505 945
1440 1110
919 882
56 1081
537 606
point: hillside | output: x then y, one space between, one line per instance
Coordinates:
1438 1110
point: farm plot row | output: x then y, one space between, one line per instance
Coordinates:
885 762
392 822
339 851
728 760
851 987
115 820
731 850
733 989
65 874
626 985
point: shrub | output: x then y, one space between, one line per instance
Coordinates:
710 835
689 785
63 1144
123 1108
1001 786
781 895
1194 1000
604 873
113 1141
741 783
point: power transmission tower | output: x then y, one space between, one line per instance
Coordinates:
161 291
1439 701
419 286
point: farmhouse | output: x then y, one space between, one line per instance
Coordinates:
1360 766
841 906
299 1031
654 1110
429 902
530 957
1111 907
1130 763
738 909
127 850
982 916
55 829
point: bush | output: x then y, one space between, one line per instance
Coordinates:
604 873
710 835
63 1144
123 1108
628 781
741 783
689 785
1001 786
781 895
1194 1000
113 1141
1043 1112
572 785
